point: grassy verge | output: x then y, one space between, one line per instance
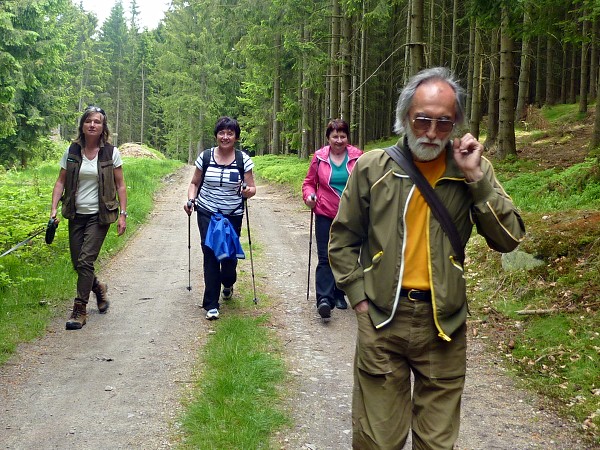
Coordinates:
236 400
37 279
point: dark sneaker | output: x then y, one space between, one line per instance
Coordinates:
101 289
78 317
340 303
324 309
227 293
212 314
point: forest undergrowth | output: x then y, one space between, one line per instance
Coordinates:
544 321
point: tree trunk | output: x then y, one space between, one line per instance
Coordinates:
417 52
345 75
506 129
583 93
354 97
304 100
594 59
442 40
550 97
470 66
454 59
431 35
115 135
406 74
276 145
564 77
596 136
143 105
476 87
362 96
573 79
525 72
334 58
492 124
539 82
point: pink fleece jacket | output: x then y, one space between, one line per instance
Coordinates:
318 177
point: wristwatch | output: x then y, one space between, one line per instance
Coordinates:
124 213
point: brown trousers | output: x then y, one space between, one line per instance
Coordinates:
86 237
383 408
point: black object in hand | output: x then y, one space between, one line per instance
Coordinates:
51 230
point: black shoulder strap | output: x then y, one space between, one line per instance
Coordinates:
206 159
437 208
239 162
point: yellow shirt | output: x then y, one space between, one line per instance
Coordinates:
416 254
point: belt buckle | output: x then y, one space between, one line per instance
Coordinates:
410 298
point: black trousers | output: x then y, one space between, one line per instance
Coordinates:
216 273
324 281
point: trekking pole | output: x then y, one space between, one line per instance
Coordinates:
250 245
189 288
312 215
22 243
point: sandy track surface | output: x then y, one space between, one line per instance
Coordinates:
118 382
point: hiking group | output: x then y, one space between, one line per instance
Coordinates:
390 225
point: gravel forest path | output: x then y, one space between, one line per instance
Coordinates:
118 382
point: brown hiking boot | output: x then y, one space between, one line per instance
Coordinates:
101 289
78 316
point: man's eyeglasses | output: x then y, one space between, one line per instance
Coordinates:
95 109
441 125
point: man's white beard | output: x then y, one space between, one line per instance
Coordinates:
423 152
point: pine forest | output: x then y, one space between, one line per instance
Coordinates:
283 68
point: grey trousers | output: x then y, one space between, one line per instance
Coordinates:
86 237
383 406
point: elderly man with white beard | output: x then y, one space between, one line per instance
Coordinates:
402 275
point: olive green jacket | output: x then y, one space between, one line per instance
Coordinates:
366 247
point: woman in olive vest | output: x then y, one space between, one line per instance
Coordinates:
88 184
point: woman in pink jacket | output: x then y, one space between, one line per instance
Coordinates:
321 190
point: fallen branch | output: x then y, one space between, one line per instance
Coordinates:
536 311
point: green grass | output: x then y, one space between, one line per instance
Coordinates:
562 113
37 279
237 396
236 403
577 187
288 171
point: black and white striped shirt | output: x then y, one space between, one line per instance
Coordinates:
220 191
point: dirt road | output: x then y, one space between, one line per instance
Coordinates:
117 383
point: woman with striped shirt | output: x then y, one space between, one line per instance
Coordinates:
220 187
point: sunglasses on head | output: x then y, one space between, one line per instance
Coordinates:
95 109
441 125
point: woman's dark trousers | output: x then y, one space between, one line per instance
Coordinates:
86 236
216 273
324 281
